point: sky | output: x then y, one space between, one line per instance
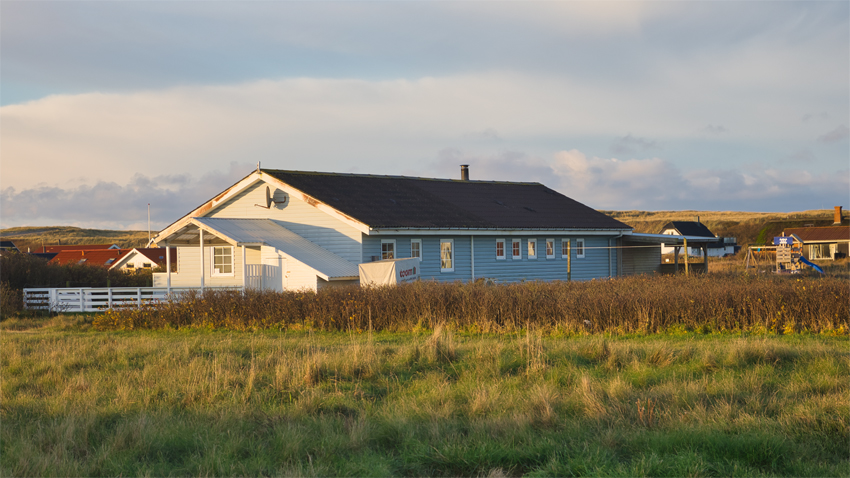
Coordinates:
106 107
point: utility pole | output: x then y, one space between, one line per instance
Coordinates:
149 224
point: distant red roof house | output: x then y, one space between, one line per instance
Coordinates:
96 257
78 247
831 242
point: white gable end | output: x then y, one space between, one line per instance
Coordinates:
296 215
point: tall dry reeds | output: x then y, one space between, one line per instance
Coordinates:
629 305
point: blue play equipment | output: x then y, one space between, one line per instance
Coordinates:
810 264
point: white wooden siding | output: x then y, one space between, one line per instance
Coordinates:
262 272
189 269
297 216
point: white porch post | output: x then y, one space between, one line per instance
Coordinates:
201 235
168 269
244 270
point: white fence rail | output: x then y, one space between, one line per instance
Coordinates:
87 299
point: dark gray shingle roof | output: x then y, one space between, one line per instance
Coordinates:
407 202
689 228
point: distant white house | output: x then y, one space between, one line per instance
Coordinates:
145 258
717 247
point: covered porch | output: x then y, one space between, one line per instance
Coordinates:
249 253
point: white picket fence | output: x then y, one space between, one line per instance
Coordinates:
89 299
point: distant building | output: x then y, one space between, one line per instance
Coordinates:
95 257
8 246
719 247
823 243
145 258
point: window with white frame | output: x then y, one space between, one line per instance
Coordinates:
500 249
532 248
416 248
387 249
516 249
550 248
819 251
447 255
565 248
579 248
222 263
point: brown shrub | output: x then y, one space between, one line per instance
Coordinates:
627 305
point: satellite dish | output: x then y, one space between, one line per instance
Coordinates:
270 200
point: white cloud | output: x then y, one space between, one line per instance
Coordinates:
656 184
109 205
308 123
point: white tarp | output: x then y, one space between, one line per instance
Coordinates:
389 271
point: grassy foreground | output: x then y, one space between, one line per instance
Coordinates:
164 403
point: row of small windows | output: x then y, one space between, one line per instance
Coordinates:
447 255
388 248
531 248
447 250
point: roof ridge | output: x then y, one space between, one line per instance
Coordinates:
391 176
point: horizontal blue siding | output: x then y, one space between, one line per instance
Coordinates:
600 261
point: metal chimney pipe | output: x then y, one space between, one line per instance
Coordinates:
464 172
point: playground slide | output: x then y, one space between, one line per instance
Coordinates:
808 263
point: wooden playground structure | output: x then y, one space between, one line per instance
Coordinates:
785 256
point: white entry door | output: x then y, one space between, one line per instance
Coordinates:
274 272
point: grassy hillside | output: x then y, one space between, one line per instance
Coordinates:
34 237
748 227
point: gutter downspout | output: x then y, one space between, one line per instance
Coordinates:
472 256
619 256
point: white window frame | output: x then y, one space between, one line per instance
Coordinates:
580 251
504 251
532 247
451 243
419 243
391 242
517 249
213 271
550 242
565 252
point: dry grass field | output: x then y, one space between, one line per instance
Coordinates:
75 402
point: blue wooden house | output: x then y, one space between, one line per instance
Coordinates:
279 229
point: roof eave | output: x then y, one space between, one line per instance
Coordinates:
496 231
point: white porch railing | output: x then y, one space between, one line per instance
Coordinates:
88 299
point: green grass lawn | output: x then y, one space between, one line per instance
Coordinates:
83 403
